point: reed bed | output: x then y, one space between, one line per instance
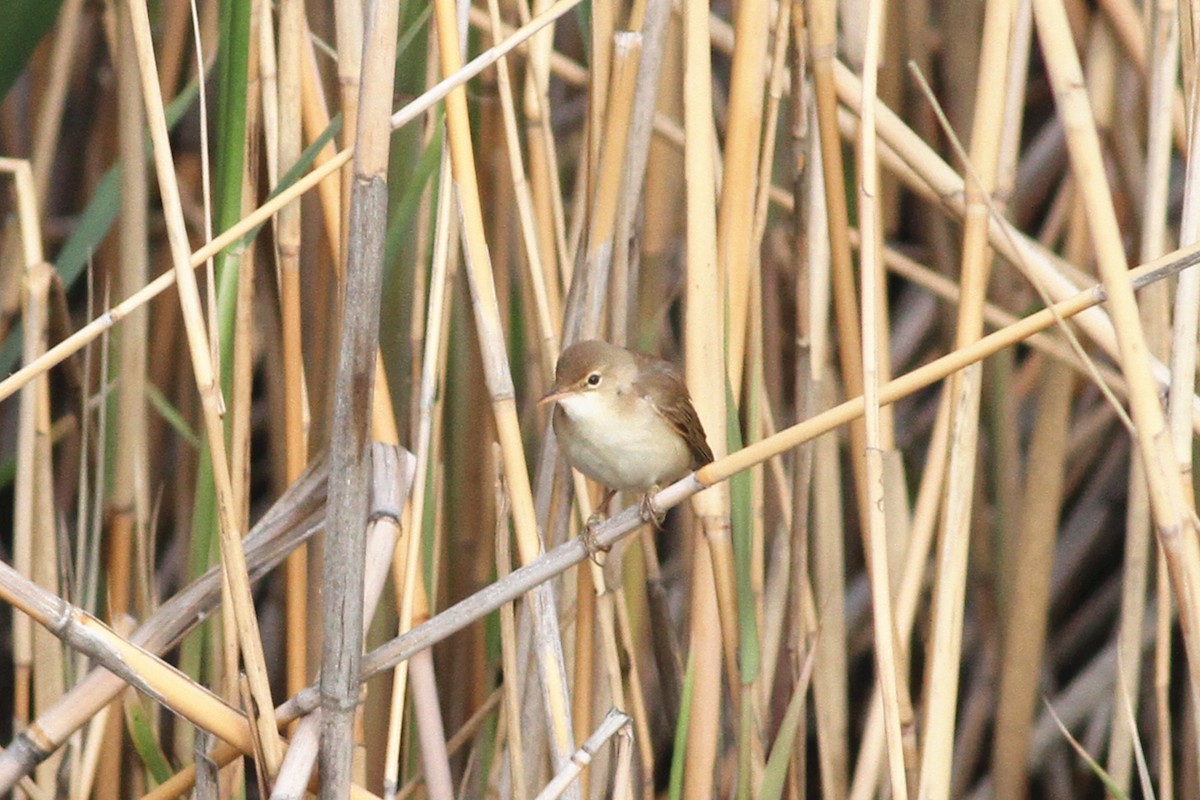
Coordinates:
281 285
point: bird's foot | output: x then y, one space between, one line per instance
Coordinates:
590 541
650 511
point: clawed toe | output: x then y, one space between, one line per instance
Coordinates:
650 511
591 542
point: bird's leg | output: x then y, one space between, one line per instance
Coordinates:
650 511
593 545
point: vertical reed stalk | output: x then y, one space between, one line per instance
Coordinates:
292 50
498 379
706 376
875 534
946 641
350 429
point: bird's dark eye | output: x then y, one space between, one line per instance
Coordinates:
593 379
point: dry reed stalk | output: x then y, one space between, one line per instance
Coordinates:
540 270
706 376
209 389
433 367
1162 674
243 325
316 118
1155 301
822 32
736 256
1186 317
543 159
434 756
32 491
818 471
292 51
946 640
638 707
766 348
1172 512
296 770
1141 48
1182 386
129 501
828 568
875 533
611 137
868 770
583 685
47 655
350 32
602 35
50 115
1025 626
652 23
513 738
269 88
354 402
499 383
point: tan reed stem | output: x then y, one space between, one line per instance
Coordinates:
705 370
876 533
499 383
953 545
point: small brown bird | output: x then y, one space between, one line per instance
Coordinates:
625 419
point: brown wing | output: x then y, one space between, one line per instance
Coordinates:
660 378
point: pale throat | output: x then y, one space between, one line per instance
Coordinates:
620 440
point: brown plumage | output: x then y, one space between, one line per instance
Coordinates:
625 419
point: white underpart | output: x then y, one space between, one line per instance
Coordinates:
624 457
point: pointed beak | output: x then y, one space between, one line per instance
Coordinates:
554 395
